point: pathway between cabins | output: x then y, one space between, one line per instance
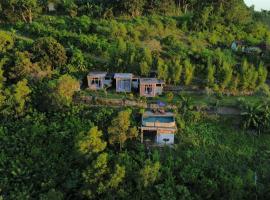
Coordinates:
118 103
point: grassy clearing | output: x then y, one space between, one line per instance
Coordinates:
214 100
201 100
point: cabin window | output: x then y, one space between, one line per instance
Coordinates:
107 78
148 89
158 85
96 81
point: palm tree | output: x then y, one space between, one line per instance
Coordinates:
254 117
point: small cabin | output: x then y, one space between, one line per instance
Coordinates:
151 87
158 127
123 82
98 80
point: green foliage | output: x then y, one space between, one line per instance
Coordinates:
21 93
188 72
149 173
162 69
6 42
210 74
256 117
91 142
120 130
169 96
249 76
48 51
24 10
52 147
226 73
262 75
175 71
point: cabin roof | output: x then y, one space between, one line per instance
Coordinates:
97 74
123 75
151 81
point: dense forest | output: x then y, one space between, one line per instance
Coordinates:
55 147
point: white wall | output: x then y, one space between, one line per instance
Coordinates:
159 138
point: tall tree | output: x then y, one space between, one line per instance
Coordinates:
25 10
189 72
21 93
149 173
6 42
91 142
49 51
120 129
262 74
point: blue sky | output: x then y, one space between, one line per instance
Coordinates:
259 4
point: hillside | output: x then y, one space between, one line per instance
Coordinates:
61 140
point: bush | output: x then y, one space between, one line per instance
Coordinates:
169 96
263 90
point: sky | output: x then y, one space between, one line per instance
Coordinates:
259 4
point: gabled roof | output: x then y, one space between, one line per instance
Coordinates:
123 75
151 81
97 74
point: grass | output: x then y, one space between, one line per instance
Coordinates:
110 94
214 100
222 135
201 100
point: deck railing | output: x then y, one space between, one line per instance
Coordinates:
159 124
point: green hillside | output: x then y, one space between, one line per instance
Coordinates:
59 140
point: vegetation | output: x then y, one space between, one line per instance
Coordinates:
53 147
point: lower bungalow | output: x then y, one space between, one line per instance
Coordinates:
158 127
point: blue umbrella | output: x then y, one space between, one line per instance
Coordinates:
161 104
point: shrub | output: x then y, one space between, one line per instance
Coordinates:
263 90
169 96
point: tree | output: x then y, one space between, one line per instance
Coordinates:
169 96
2 81
249 76
52 195
24 10
210 74
49 51
99 179
162 69
149 173
175 69
145 61
21 95
132 7
77 59
23 67
6 42
120 129
117 177
225 75
94 176
144 68
57 94
189 72
65 88
262 74
91 142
